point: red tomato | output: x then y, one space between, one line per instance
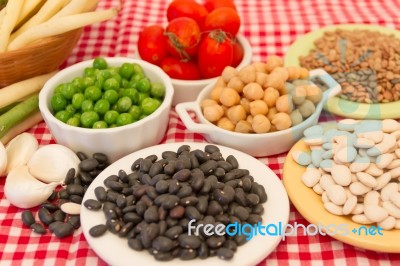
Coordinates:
183 37
215 53
178 69
152 44
238 53
224 18
186 8
210 5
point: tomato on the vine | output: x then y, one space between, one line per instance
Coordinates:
179 69
183 37
223 18
210 5
186 8
215 53
152 44
238 53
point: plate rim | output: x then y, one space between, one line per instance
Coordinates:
278 186
315 213
360 110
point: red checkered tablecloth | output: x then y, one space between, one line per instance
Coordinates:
270 26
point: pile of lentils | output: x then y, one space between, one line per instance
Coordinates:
51 213
152 205
365 63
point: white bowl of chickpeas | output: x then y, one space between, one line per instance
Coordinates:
261 109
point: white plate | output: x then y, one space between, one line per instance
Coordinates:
115 251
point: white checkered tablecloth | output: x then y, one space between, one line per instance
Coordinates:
270 26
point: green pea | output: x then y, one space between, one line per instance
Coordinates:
59 88
101 106
100 124
87 82
78 83
111 96
137 77
69 90
135 112
113 70
126 70
77 100
137 69
123 104
89 72
74 121
132 94
143 116
144 85
113 125
77 115
125 83
117 77
63 116
111 84
105 73
149 105
93 93
87 105
99 81
100 63
133 84
111 117
124 119
70 108
157 90
58 102
89 118
143 96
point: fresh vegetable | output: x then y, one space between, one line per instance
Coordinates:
183 36
20 149
223 18
186 8
3 159
238 53
29 122
178 69
210 5
152 44
215 53
9 21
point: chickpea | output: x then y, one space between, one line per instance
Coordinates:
261 124
270 96
253 91
216 93
260 67
314 93
261 78
304 73
271 113
258 107
282 72
294 72
220 83
213 113
299 95
248 74
281 121
243 127
225 123
246 105
236 113
273 128
284 104
273 61
236 83
207 102
307 108
228 73
249 119
296 117
229 97
274 80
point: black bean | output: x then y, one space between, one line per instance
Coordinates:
171 221
63 194
202 204
252 199
93 174
141 207
125 229
208 167
76 199
111 214
88 164
115 185
121 201
162 214
177 212
242 213
215 241
254 219
169 168
233 161
100 157
77 179
174 232
155 169
52 196
110 178
183 148
232 183
225 165
59 216
27 218
216 156
109 206
258 209
184 222
146 200
148 234
135 244
240 196
174 186
158 178
85 177
112 195
192 213
162 186
63 230
69 178
114 226
187 254
145 165
38 228
217 185
151 214
131 217
222 218
133 178
162 243
102 166
45 216
201 156
136 164
74 220
189 201
75 190
202 252
169 154
209 148
182 175
130 208
130 200
145 179
170 202
139 190
260 191
151 192
214 208
225 253
81 155
189 241
127 191
184 192
219 172
123 176
131 234
98 230
230 244
224 196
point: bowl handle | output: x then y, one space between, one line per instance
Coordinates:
182 110
334 88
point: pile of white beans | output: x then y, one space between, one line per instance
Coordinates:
355 167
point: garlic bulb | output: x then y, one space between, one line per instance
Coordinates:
3 159
25 191
51 163
20 149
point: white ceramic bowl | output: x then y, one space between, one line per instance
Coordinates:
257 145
114 142
188 90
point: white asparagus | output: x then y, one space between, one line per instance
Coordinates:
28 7
75 7
91 5
61 25
2 13
45 13
28 123
12 11
21 89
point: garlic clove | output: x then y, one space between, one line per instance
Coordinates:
20 149
51 163
3 159
25 191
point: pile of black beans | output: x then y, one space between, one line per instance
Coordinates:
75 186
152 205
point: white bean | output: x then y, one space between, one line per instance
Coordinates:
349 205
375 136
359 209
391 209
71 208
364 143
388 224
372 198
390 125
361 219
367 179
324 197
388 190
311 177
318 189
360 164
382 161
395 199
346 154
383 180
397 153
374 170
359 189
302 158
341 175
388 142
336 194
327 165
397 225
333 208
375 213
326 181
393 164
313 140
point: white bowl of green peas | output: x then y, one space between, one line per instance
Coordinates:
112 105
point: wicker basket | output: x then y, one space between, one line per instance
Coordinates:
37 59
